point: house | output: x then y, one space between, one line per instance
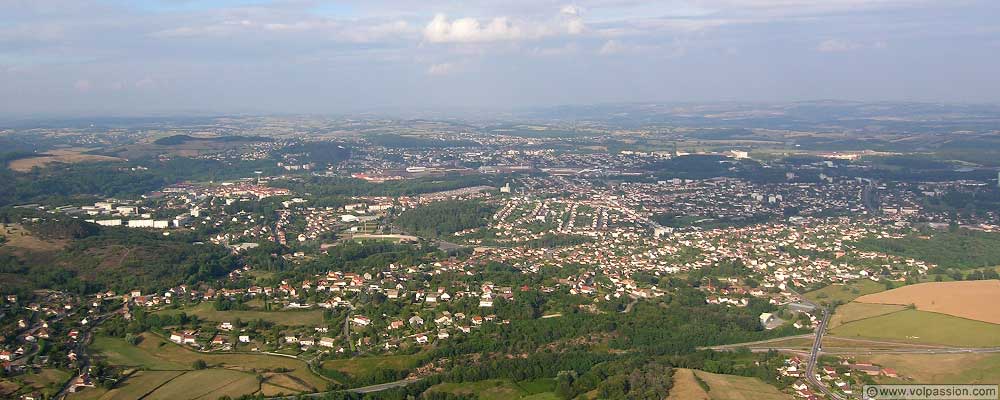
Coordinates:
244 339
81 382
361 320
226 326
326 342
443 334
218 340
422 339
416 320
766 319
890 372
6 355
307 342
183 337
396 324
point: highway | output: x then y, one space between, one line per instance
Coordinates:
814 355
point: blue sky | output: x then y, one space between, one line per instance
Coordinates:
133 57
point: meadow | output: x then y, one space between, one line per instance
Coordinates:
365 366
499 389
207 311
855 311
167 371
923 327
844 293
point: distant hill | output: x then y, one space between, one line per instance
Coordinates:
182 139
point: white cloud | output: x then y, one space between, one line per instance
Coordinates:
836 45
470 30
441 29
441 69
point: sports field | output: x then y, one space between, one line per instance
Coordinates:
923 327
974 300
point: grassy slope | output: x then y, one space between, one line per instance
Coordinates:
731 387
154 353
364 366
207 311
845 293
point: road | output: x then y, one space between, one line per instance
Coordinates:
86 333
814 356
817 347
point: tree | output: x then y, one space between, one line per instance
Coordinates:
199 364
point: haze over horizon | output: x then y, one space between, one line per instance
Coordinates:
118 57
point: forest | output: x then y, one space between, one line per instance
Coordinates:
445 217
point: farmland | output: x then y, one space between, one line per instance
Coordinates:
961 299
855 311
62 156
731 387
940 368
844 293
498 389
366 366
923 327
206 311
46 381
167 371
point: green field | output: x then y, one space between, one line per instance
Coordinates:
844 293
923 327
499 389
365 366
854 311
47 381
235 373
207 311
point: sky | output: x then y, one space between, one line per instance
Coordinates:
147 57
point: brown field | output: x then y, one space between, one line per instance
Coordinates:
685 387
973 300
940 368
207 384
731 387
21 238
62 156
